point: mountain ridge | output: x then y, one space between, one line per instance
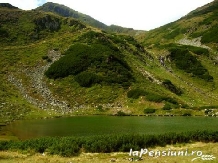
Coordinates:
65 11
8 5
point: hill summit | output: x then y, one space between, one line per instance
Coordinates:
8 5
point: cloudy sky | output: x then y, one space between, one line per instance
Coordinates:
137 14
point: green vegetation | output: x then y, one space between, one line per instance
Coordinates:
209 9
87 79
167 106
72 146
100 68
210 36
136 93
120 113
91 65
196 50
169 85
175 32
149 110
21 28
184 60
68 12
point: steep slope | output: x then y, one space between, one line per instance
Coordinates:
188 49
53 66
31 41
7 5
27 39
201 22
19 27
68 12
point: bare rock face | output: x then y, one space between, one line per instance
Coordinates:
192 42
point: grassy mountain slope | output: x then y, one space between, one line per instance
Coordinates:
188 49
201 22
68 12
52 66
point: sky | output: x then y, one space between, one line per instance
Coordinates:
137 14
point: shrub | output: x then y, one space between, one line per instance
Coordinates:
149 110
167 107
186 114
154 97
136 93
92 64
210 36
188 63
173 34
169 85
3 33
120 113
87 79
4 145
198 50
44 57
72 146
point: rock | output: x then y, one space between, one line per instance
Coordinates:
194 42
113 160
36 74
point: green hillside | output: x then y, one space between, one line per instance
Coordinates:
188 49
201 22
53 66
68 12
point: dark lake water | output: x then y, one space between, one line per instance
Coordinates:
98 125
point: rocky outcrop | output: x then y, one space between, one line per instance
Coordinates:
192 42
42 96
47 22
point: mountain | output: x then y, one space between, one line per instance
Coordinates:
198 25
68 12
188 49
53 66
7 5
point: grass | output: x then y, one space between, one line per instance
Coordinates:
22 52
206 148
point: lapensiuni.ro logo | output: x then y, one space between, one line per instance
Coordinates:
137 155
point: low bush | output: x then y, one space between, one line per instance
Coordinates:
72 146
3 33
185 61
169 85
92 64
136 93
210 36
167 107
87 79
149 110
120 113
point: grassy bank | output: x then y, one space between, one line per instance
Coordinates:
206 148
74 146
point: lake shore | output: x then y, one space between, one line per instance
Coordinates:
122 157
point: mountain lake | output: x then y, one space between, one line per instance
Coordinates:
100 125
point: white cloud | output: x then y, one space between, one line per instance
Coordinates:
138 14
